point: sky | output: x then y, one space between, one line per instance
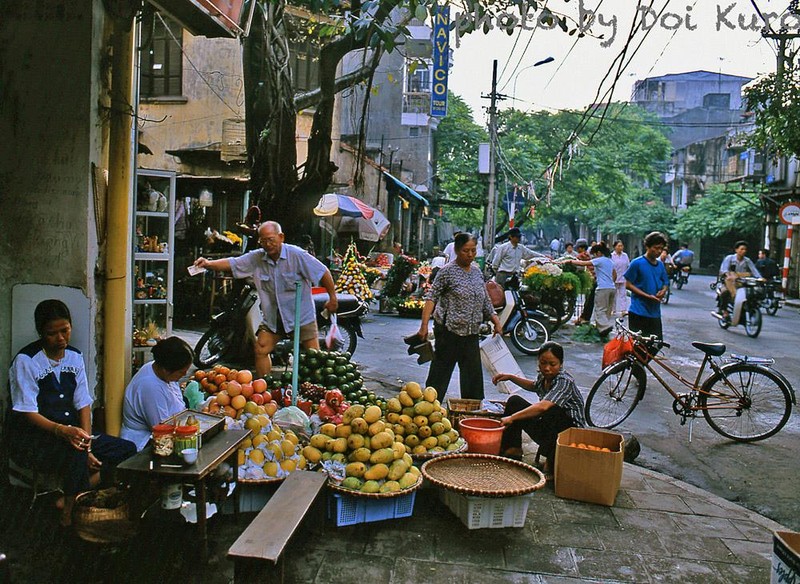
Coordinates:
713 35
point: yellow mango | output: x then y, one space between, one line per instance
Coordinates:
376 472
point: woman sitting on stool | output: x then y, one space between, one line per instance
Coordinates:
51 422
561 407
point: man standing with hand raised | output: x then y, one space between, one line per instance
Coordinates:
275 268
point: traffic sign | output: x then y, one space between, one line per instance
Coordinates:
788 211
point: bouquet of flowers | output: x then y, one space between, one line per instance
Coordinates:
401 269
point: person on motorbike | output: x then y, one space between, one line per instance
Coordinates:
735 265
683 257
506 261
275 268
766 265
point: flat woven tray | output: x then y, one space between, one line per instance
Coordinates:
430 455
352 493
482 475
272 481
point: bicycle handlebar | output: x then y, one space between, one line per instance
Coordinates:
639 337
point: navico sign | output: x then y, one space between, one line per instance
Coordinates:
441 60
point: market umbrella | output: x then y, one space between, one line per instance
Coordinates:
368 229
353 215
344 205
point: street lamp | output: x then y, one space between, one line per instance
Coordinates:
536 64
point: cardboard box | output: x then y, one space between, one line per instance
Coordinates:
588 475
785 557
496 358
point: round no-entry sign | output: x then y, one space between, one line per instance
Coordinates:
789 211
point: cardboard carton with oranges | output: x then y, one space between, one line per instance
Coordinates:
589 465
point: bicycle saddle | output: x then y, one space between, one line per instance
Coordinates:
713 349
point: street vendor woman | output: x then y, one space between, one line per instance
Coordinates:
459 304
153 395
560 407
50 427
275 268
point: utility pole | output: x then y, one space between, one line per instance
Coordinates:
491 203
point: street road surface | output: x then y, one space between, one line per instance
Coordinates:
763 476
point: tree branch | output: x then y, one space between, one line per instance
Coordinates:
311 98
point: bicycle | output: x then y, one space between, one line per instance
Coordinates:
744 399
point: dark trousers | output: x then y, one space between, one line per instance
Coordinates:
588 305
646 324
543 429
36 449
450 350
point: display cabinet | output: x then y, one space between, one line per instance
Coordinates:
153 259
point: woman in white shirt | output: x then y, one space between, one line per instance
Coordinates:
621 263
153 395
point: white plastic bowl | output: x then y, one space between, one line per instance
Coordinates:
189 455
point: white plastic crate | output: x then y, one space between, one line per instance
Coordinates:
491 512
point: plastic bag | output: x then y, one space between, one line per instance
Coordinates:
193 394
334 340
616 349
294 419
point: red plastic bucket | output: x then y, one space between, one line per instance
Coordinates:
483 435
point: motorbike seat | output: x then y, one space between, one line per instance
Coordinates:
347 302
713 349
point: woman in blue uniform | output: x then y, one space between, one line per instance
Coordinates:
51 421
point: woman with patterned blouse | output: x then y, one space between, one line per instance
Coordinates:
459 305
560 407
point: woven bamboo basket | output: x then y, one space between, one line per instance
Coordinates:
483 475
102 516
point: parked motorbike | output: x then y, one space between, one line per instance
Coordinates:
232 333
529 328
745 308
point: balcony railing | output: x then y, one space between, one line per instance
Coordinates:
416 103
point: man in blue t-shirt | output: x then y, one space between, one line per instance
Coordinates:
647 280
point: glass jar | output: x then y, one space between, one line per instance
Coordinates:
185 437
163 440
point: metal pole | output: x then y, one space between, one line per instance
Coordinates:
491 203
298 289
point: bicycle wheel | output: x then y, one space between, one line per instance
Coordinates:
755 406
615 394
529 335
666 296
679 282
752 321
211 347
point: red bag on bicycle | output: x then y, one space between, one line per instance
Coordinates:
616 349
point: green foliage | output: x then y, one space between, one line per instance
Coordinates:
457 139
401 269
720 212
776 103
586 333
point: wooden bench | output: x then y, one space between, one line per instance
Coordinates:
264 540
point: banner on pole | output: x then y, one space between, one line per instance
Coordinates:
441 60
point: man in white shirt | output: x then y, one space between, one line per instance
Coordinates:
506 260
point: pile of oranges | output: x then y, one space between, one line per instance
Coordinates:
232 389
589 447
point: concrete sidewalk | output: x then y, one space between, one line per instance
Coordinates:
659 530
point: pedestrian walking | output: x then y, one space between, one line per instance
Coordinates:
605 291
459 304
582 249
555 247
621 264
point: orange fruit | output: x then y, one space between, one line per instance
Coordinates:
230 412
199 375
223 370
223 398
257 399
259 385
232 374
238 402
234 388
220 378
244 376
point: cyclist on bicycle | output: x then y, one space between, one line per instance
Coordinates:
735 265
